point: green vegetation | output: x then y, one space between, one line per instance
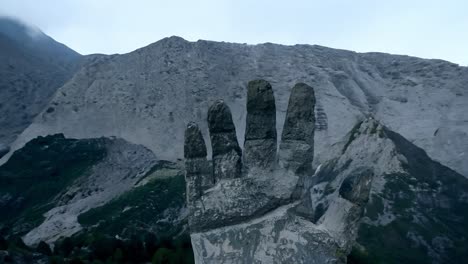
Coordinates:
406 240
39 171
154 206
140 226
352 136
374 207
360 256
95 248
431 216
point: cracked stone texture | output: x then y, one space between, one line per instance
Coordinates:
149 95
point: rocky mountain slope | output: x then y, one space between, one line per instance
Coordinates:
47 184
103 195
375 192
415 208
149 95
32 67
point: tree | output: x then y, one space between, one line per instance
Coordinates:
66 246
118 256
151 244
134 250
44 248
3 243
164 256
18 243
103 247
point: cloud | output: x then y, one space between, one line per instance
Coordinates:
429 29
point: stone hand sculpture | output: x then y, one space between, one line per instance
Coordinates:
256 206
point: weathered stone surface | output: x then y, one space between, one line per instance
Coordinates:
277 237
356 187
195 162
198 176
227 154
260 131
296 151
194 146
242 199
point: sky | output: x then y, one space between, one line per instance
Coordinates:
427 28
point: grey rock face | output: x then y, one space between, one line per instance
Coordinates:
194 146
227 154
198 176
3 150
260 132
297 141
33 66
148 96
356 187
254 218
401 197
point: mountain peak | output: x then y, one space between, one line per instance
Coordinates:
18 30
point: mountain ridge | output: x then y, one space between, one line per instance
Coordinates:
166 84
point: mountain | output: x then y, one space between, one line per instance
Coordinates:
33 66
97 142
149 95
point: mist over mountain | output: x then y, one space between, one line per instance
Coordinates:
33 66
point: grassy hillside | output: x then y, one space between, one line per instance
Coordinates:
38 172
158 207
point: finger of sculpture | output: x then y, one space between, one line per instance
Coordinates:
260 131
226 151
198 176
296 151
